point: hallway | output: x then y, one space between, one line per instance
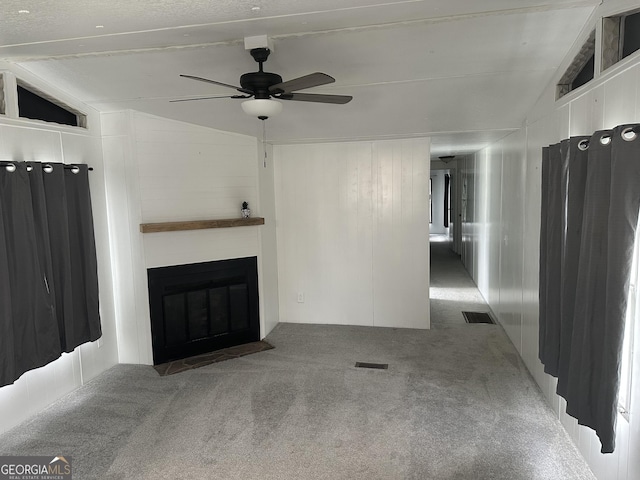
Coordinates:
452 290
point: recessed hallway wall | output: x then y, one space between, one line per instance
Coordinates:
352 233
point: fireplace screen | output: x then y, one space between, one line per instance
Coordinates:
199 308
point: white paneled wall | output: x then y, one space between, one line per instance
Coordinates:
134 340
501 240
353 239
25 140
187 172
163 170
268 265
511 234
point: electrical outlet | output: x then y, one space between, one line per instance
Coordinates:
300 297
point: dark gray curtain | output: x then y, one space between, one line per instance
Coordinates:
555 169
447 181
72 246
576 177
30 337
590 204
48 272
542 290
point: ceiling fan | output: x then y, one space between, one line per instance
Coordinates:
263 87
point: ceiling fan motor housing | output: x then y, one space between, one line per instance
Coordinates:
259 82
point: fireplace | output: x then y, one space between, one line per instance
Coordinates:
202 307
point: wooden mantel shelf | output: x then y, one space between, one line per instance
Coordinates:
200 224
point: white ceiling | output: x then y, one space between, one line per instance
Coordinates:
464 72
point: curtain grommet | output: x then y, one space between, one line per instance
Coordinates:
583 145
11 167
75 169
605 139
48 168
629 134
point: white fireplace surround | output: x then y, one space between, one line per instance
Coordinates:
171 171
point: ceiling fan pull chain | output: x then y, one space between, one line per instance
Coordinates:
264 143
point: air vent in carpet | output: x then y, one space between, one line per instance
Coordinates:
477 317
379 366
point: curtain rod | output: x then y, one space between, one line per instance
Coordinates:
67 166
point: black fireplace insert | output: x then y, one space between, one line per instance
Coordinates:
202 307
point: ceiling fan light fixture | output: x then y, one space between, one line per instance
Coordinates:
262 108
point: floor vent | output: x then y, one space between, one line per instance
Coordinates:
477 317
378 366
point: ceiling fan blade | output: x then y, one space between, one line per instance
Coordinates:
300 83
200 79
316 97
209 98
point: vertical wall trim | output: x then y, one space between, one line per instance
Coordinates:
143 316
80 364
597 67
501 239
10 94
525 154
61 147
374 223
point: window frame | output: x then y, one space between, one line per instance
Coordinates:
576 68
